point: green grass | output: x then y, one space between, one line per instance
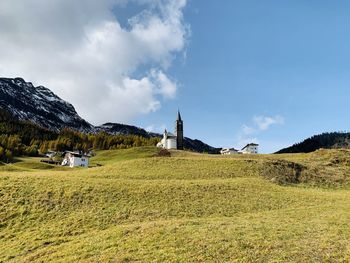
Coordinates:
187 208
30 164
108 157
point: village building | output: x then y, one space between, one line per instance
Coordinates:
250 148
229 151
173 141
75 159
168 142
50 154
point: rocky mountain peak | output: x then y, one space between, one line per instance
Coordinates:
40 105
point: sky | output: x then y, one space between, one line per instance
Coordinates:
271 72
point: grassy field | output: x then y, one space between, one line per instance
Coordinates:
136 207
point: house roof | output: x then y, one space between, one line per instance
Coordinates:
249 144
76 154
229 149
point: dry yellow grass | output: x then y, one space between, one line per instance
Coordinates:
187 208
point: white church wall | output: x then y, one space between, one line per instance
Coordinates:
171 144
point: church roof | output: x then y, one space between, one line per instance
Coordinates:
171 135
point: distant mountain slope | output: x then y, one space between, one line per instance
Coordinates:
332 140
124 129
199 146
39 105
190 144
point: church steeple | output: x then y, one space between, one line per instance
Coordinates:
178 116
179 132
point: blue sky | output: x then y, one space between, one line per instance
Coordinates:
272 72
248 59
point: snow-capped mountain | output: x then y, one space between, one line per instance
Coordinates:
39 105
42 107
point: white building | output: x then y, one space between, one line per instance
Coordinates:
251 148
75 159
168 142
50 154
229 151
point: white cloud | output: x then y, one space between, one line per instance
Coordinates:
248 134
166 87
261 123
81 51
264 122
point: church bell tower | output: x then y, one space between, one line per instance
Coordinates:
179 132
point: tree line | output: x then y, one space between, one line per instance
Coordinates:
325 140
21 138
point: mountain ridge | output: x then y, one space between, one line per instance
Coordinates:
328 140
39 105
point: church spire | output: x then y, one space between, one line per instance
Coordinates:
178 115
179 128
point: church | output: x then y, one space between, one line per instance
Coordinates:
174 141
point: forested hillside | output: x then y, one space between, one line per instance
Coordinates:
331 140
25 138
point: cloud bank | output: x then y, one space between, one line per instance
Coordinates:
80 50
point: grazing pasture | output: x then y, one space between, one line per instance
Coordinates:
134 206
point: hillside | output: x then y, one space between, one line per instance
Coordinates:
21 101
334 140
186 208
123 129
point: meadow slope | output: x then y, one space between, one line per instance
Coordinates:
186 208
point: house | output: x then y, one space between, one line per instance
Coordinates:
173 141
50 154
229 151
250 148
75 159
